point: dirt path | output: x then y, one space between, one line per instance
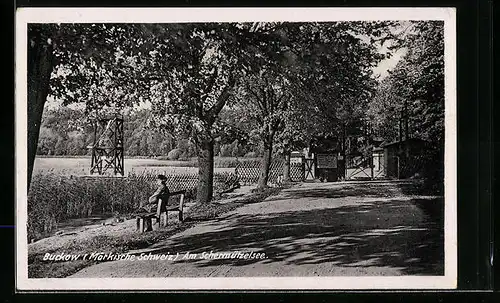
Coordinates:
313 229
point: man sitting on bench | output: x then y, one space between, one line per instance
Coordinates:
152 204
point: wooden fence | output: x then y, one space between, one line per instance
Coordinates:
176 182
248 171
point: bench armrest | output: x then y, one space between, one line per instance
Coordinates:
177 192
181 202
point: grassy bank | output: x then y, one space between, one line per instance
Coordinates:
38 268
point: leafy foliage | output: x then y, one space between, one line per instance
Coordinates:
65 131
92 63
235 88
415 88
192 70
413 95
313 79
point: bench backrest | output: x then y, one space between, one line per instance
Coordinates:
166 197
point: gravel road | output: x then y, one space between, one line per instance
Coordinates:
311 229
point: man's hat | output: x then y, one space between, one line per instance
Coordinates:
162 177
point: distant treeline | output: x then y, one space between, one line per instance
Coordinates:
65 132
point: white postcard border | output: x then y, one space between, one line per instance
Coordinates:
172 15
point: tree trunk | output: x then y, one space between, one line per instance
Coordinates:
40 65
406 120
344 152
400 128
266 163
205 172
286 168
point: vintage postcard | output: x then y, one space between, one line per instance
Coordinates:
235 149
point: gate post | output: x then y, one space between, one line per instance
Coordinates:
371 166
397 158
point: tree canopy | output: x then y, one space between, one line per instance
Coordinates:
215 87
414 90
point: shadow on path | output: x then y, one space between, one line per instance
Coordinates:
386 233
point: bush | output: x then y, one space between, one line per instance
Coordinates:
174 154
184 157
225 162
225 150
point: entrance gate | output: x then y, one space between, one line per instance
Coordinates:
309 169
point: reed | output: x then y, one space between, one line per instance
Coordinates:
53 198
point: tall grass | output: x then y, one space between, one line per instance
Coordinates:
54 198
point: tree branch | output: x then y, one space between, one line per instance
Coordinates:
264 101
221 101
209 88
267 106
259 120
283 105
276 124
260 102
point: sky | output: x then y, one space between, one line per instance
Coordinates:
383 68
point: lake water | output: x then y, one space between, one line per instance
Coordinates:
81 166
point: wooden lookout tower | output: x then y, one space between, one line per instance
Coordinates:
107 148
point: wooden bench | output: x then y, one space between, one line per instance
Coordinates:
144 221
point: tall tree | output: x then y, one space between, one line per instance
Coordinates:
194 68
267 99
415 88
410 101
326 67
69 61
40 66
